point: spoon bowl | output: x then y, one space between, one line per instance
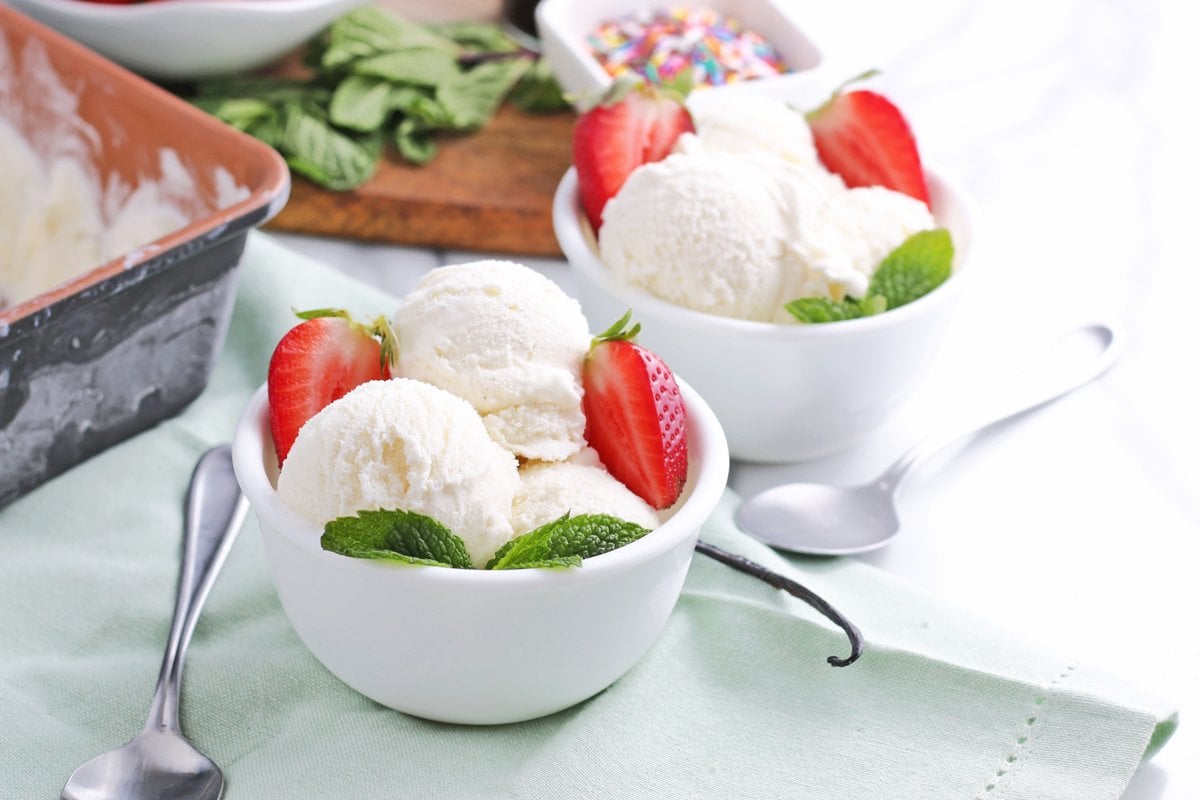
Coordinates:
825 520
154 764
835 520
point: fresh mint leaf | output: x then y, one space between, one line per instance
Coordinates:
919 265
822 309
472 97
478 37
538 90
414 142
316 149
370 31
414 66
242 113
419 106
377 77
396 535
566 542
361 103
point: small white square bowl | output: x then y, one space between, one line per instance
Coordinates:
564 25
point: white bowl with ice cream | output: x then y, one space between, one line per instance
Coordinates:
782 390
476 646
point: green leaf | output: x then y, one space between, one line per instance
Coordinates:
472 97
361 103
264 89
319 151
538 90
822 309
370 31
566 542
918 266
240 112
415 66
479 37
396 535
414 142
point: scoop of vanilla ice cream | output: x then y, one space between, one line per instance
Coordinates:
507 340
403 444
550 489
701 230
743 217
841 242
749 124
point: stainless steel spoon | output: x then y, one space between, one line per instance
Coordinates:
159 762
819 519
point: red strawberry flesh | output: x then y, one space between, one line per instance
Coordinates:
315 363
636 420
613 139
865 139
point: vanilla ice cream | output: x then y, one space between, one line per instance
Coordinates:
508 341
51 223
749 124
743 218
59 216
550 490
403 444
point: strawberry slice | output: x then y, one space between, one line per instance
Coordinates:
865 139
318 361
635 419
633 124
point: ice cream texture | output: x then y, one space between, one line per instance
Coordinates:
743 218
507 340
404 444
548 490
481 430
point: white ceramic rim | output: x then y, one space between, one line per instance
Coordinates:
166 11
708 454
569 228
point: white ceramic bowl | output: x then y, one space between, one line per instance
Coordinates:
782 392
473 646
795 30
188 39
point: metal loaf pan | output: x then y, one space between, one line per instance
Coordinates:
130 342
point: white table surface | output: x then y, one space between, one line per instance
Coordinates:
1078 525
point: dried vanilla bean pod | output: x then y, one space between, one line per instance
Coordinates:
743 564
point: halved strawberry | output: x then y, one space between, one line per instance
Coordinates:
865 139
633 124
635 419
318 361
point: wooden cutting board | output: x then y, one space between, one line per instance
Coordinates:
489 191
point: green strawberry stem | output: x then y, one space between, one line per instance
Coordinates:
743 564
380 328
618 332
862 76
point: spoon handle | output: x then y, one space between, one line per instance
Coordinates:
214 512
1060 371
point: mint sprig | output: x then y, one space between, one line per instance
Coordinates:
822 309
397 536
417 539
920 264
377 78
566 541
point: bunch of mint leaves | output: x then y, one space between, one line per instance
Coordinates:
920 264
377 78
413 538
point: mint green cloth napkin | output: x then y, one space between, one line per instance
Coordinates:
734 700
